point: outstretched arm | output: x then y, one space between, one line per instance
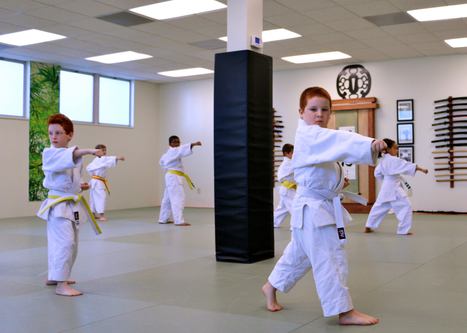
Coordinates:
197 143
78 153
418 168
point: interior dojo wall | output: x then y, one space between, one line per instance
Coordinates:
186 109
133 183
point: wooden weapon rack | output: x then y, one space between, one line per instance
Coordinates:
277 127
452 131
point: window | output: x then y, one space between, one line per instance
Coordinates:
12 88
76 95
115 101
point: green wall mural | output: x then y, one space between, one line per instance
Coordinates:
44 99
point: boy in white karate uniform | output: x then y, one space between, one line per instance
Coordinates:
391 194
97 169
173 200
287 186
64 208
317 214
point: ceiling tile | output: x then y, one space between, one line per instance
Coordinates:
352 24
125 19
87 7
303 5
403 29
371 8
329 15
416 4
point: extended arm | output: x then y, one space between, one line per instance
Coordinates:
78 153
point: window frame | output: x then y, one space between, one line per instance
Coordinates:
26 86
131 101
80 122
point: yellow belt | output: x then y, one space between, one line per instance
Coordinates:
289 185
182 174
104 180
75 198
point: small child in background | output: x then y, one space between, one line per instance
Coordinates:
392 195
64 208
97 169
288 186
173 200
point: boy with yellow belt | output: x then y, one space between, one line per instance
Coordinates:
287 188
64 208
173 200
97 169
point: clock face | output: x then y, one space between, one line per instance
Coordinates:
354 81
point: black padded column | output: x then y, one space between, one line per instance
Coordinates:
243 157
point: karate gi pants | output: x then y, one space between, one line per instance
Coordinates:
317 248
97 196
62 247
285 206
173 200
402 209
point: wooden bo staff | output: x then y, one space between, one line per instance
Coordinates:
449 163
451 168
451 133
449 139
451 116
450 99
454 121
450 128
450 108
452 145
449 151
448 157
451 180
451 174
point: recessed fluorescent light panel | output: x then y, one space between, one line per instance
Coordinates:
439 13
114 58
457 42
273 35
177 8
316 57
187 72
29 37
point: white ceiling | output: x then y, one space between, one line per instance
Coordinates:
326 25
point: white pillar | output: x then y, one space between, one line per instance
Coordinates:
244 19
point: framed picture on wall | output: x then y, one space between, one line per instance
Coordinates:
405 110
407 153
405 134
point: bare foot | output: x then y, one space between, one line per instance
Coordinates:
168 222
54 283
368 230
63 289
182 224
354 317
407 234
271 301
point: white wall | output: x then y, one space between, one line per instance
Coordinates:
134 183
187 109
